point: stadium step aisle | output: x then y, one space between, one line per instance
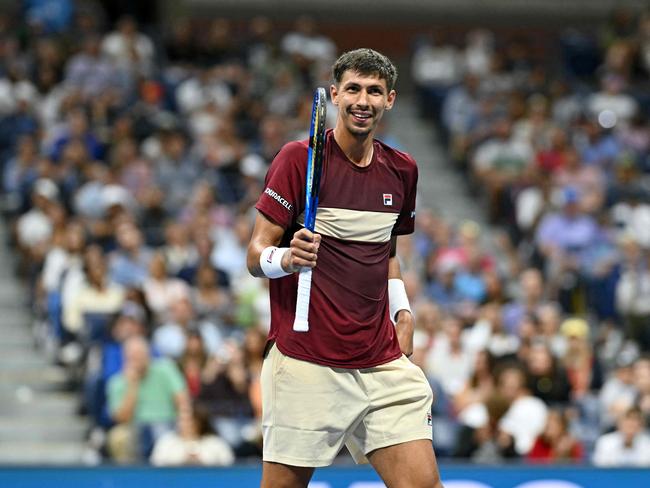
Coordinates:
439 186
38 418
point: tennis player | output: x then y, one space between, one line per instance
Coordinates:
347 380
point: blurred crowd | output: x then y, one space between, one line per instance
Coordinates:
130 161
129 172
538 341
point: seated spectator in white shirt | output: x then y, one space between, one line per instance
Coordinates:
628 445
194 443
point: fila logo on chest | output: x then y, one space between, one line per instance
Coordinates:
388 199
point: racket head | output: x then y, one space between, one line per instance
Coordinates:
315 156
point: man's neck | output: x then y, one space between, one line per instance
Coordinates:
358 149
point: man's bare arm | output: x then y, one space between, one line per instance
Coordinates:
302 250
404 322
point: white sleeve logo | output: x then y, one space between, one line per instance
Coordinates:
279 198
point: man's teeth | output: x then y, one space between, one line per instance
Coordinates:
361 116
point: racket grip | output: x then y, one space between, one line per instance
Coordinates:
301 322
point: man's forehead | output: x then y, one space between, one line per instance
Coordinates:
352 76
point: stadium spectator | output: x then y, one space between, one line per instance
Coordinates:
195 443
618 392
547 380
161 290
170 338
226 392
526 415
129 49
88 312
450 361
556 444
193 363
146 399
129 263
628 445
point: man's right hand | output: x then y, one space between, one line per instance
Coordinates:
303 251
132 376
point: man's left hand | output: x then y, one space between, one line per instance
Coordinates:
404 328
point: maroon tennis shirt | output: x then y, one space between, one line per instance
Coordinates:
359 210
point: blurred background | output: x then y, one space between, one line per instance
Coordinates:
134 141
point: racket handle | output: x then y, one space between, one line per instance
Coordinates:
301 322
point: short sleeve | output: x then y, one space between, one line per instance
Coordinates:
115 391
406 220
284 188
175 379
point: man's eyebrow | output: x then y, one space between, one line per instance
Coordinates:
355 84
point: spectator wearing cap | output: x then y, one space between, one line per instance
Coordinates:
561 238
567 231
589 181
581 364
628 445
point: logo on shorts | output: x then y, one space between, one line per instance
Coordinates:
429 420
388 199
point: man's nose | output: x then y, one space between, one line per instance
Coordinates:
362 100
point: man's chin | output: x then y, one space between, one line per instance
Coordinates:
360 131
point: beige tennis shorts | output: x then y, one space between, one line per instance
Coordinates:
311 411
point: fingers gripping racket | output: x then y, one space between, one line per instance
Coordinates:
312 187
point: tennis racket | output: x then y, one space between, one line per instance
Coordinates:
312 187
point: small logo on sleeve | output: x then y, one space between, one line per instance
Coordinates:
388 199
429 419
279 198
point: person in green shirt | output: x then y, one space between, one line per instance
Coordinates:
146 399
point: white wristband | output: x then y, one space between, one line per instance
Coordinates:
271 262
397 298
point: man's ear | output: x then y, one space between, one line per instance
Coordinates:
390 101
334 94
